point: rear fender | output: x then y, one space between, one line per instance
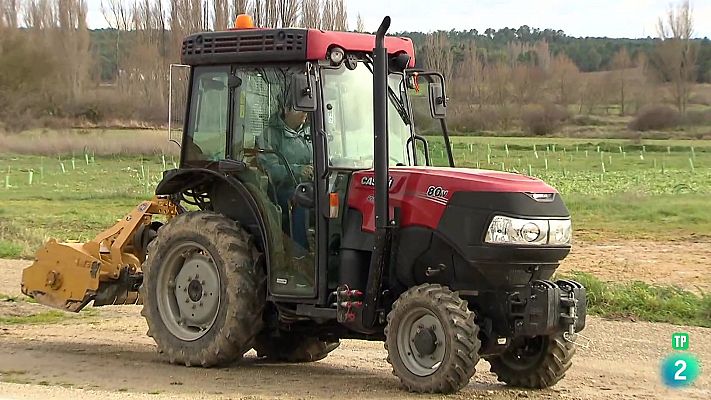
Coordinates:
238 200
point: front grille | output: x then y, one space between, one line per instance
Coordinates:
267 45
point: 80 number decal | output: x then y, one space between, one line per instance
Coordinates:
436 191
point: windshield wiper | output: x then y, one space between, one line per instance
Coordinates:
399 107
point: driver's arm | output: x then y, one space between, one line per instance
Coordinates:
278 173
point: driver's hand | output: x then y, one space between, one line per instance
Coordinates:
307 171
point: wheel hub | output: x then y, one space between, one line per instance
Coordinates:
425 341
195 290
421 342
189 292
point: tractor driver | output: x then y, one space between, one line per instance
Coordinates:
287 134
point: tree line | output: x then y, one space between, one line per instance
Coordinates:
530 79
54 70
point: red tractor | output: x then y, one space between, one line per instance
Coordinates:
306 210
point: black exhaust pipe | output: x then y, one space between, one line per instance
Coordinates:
382 176
380 117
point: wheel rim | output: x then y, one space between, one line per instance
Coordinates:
421 342
188 291
524 354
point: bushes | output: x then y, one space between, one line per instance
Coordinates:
543 120
655 117
466 118
587 120
698 117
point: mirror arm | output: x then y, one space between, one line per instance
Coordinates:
307 91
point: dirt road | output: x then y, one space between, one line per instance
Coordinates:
106 355
684 263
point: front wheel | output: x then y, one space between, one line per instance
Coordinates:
432 340
535 363
203 294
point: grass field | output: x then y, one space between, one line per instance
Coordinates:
614 188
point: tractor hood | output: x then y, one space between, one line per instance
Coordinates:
424 193
478 180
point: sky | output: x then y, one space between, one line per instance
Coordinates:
611 18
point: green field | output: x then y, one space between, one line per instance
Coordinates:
614 188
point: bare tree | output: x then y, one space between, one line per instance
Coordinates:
470 80
340 16
564 75
39 15
220 14
595 89
8 13
675 56
311 14
437 53
288 12
360 27
328 15
239 7
621 63
118 16
73 40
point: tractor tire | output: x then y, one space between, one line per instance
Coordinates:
294 348
203 291
534 363
432 340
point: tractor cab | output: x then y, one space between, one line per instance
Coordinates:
289 114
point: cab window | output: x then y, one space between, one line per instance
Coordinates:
207 124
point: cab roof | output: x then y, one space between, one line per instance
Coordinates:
257 45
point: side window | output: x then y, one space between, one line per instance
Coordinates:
207 127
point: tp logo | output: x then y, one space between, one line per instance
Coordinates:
680 369
680 341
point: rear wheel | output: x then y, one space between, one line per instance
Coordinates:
432 340
294 348
536 363
203 294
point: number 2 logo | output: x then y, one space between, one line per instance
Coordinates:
680 370
681 364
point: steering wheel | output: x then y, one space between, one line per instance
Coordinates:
280 157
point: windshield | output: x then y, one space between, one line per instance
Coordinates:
348 108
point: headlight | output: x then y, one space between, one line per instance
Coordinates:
561 231
507 230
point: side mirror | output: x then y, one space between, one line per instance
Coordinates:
303 93
304 195
438 100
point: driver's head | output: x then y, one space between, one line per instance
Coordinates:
294 119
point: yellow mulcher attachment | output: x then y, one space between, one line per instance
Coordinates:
106 270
